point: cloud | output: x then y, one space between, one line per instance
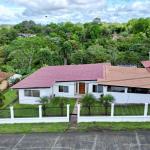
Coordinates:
7 14
74 10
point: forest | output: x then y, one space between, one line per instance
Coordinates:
73 43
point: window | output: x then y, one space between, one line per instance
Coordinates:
138 90
115 89
32 93
97 88
64 89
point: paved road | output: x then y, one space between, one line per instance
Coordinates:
77 141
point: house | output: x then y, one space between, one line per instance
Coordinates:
26 35
126 84
3 80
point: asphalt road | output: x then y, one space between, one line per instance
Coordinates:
77 141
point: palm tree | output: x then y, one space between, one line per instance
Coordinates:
44 101
105 101
59 101
88 101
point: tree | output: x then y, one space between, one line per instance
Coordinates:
2 98
44 101
88 101
59 101
105 101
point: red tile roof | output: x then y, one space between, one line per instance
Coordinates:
126 76
146 64
47 76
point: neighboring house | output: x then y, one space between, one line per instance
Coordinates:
26 35
3 80
126 84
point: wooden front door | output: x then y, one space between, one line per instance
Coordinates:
81 88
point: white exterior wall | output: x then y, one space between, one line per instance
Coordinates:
119 97
71 89
129 97
33 100
90 89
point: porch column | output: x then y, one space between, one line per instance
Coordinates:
104 90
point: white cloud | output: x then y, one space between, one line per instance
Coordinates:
75 10
8 14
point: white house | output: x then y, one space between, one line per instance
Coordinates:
126 84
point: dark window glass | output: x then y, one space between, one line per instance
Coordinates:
27 93
66 89
60 88
63 89
138 90
32 93
100 88
94 88
97 88
115 89
36 93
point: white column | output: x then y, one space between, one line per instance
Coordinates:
78 112
104 90
11 112
146 109
112 109
126 90
68 111
40 111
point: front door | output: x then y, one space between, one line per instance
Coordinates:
81 88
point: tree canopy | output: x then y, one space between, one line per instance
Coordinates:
69 43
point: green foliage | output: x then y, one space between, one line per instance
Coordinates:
60 102
105 101
2 98
68 43
88 101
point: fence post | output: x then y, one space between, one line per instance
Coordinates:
68 111
40 111
146 109
78 112
112 109
11 112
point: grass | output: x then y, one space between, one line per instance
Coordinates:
52 109
34 128
114 126
119 110
10 96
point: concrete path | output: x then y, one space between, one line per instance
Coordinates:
73 116
77 141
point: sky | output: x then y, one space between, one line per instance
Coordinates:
46 11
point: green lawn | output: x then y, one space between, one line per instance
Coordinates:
10 96
31 128
26 110
119 110
115 126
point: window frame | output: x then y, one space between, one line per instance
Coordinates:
109 89
32 94
137 90
63 89
96 87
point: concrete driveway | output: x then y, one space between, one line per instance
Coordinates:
77 141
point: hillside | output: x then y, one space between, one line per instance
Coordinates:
28 46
